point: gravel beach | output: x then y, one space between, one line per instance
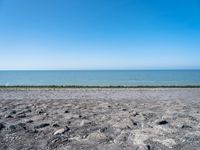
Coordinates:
100 119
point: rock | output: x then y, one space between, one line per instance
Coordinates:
163 122
2 126
66 111
41 111
84 122
12 127
144 147
124 124
29 121
21 115
167 142
97 136
186 127
56 141
22 125
148 147
13 112
60 131
67 128
56 125
43 125
103 129
8 116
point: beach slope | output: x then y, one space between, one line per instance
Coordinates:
98 118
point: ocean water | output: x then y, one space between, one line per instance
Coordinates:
102 78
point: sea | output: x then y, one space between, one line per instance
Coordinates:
101 78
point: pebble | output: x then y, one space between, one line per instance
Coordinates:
97 136
59 131
13 112
186 127
12 127
8 116
163 122
84 122
66 111
29 121
42 125
21 116
2 126
56 125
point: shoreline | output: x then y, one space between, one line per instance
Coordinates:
100 87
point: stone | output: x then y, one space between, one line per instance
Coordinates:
66 111
13 112
186 127
8 116
162 122
2 126
12 127
43 125
21 115
59 131
84 122
56 125
97 136
29 121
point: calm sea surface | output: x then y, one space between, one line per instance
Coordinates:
101 78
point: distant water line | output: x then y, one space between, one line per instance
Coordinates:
101 78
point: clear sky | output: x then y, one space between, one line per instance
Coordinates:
99 34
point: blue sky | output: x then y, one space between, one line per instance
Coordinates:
99 34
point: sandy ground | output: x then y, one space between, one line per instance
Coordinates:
100 119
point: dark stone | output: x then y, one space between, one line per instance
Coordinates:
29 121
163 122
56 125
124 109
42 125
186 127
103 129
12 127
68 122
148 147
134 123
67 128
13 112
41 112
2 126
66 111
9 116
